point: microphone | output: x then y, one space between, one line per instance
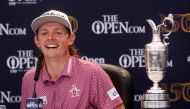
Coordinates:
35 102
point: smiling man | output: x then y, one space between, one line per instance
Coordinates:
64 81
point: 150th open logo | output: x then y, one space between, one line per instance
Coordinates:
182 22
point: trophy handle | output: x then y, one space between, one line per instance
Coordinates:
170 19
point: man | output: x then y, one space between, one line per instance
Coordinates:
63 80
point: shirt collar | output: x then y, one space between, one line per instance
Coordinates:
67 71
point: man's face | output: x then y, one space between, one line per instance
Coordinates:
53 39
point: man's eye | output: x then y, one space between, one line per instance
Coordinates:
59 32
43 33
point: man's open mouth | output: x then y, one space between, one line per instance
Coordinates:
51 46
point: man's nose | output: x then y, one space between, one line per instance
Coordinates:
50 36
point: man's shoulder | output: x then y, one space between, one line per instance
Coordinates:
29 73
88 65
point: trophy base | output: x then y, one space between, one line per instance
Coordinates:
155 101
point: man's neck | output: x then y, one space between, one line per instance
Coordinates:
55 67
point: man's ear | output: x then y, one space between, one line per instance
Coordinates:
36 41
71 39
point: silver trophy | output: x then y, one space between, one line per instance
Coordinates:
156 61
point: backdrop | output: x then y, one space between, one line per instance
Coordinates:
109 31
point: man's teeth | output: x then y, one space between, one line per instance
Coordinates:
51 46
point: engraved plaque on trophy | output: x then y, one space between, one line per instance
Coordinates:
156 61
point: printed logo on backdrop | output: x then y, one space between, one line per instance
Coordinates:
22 61
181 21
136 59
188 59
9 97
22 2
96 60
110 24
176 91
9 30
